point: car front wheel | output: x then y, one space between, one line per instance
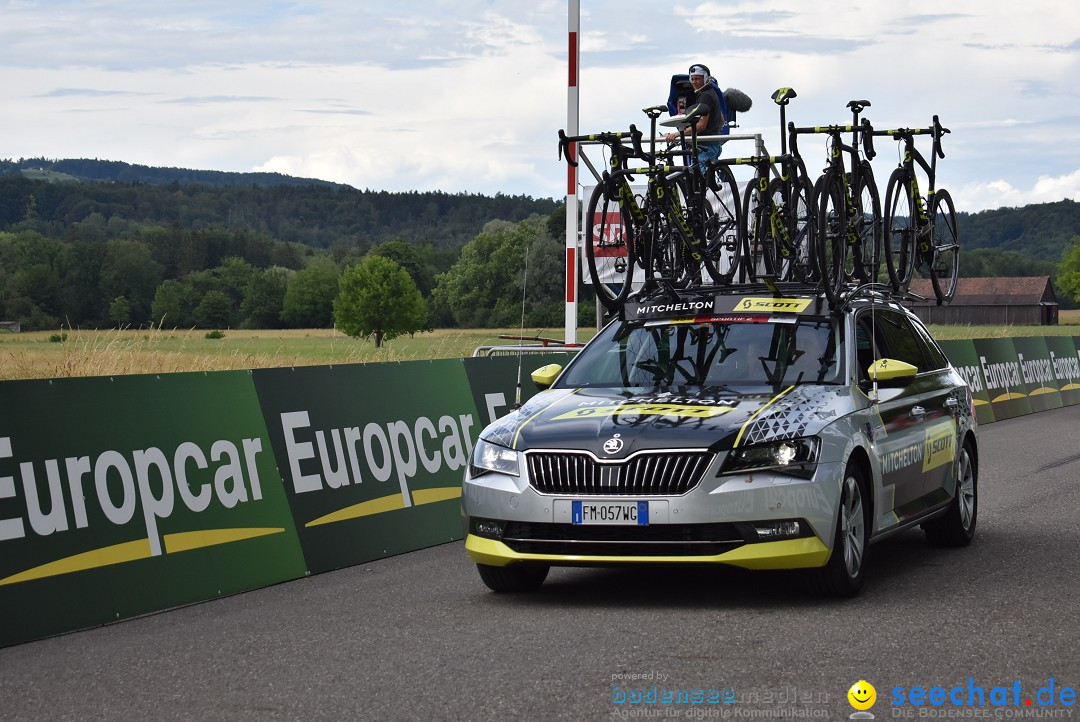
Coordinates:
513 578
843 575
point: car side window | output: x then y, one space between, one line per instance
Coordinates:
933 353
894 338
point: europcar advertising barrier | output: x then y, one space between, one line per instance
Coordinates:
1014 376
124 496
372 455
962 355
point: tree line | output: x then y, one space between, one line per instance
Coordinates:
107 254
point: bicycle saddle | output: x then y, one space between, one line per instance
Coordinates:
681 122
782 95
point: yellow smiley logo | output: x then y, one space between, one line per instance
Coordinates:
862 695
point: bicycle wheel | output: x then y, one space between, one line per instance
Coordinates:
609 246
755 229
792 229
832 236
687 262
898 221
946 264
723 219
868 218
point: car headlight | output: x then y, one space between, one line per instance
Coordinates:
797 457
488 457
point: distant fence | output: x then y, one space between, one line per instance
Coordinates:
126 495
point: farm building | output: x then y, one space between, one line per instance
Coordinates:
990 302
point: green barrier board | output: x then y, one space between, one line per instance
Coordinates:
962 355
1037 373
1065 364
494 381
1001 373
372 455
124 496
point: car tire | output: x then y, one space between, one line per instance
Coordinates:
842 575
956 528
513 578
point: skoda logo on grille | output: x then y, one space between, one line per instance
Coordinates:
613 445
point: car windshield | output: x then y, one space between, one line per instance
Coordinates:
771 353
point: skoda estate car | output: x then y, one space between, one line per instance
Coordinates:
761 432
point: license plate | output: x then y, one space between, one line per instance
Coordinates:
610 512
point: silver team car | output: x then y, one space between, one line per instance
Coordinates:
761 432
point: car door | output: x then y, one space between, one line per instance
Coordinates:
914 417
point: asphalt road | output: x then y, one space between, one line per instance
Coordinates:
419 636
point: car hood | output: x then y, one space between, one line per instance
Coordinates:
614 423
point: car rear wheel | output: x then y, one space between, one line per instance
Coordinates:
957 527
513 578
843 575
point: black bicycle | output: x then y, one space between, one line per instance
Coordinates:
658 239
848 206
777 209
917 240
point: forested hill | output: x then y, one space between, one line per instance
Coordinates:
1040 231
321 216
114 171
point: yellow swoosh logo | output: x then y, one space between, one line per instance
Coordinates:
135 550
384 504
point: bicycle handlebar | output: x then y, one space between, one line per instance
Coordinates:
609 138
868 139
939 131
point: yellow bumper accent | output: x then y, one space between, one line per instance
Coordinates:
787 554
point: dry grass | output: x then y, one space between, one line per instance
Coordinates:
139 351
33 355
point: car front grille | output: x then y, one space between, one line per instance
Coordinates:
668 473
668 540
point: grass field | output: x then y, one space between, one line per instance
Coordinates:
33 355
119 352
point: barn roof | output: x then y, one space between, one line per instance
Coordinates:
1001 291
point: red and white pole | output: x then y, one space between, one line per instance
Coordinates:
574 26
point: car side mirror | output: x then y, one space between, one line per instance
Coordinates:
890 373
545 376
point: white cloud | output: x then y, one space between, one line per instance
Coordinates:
1000 193
467 95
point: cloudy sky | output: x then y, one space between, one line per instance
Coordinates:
468 95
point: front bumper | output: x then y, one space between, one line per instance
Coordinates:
708 524
784 554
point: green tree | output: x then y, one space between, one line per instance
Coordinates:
128 270
1069 271
484 288
309 298
378 298
264 298
408 257
169 308
120 311
214 310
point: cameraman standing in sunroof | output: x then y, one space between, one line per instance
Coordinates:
713 122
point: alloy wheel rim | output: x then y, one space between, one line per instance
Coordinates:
853 527
967 491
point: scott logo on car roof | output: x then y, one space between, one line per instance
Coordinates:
772 305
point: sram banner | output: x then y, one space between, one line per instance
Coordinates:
124 496
372 455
